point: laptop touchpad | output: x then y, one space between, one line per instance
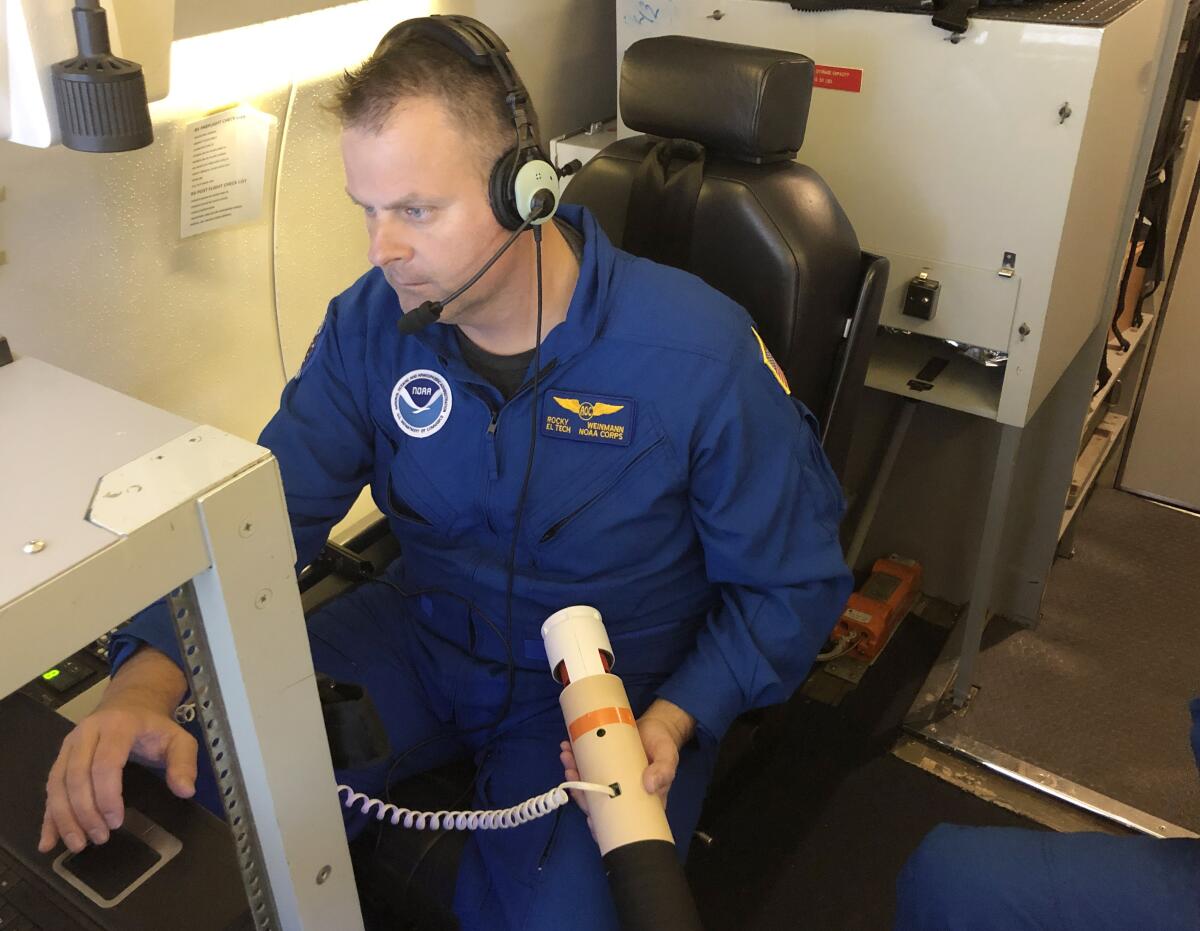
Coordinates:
109 872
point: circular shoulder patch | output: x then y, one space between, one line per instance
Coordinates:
421 402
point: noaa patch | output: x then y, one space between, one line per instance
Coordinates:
590 418
421 402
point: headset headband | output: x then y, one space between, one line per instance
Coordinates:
478 44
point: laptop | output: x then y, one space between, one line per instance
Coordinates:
171 865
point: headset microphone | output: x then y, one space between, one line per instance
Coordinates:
543 205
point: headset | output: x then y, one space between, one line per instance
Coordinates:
523 172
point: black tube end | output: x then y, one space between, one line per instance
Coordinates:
649 888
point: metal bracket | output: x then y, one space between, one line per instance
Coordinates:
210 708
343 561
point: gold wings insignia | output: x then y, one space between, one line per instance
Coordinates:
571 404
602 409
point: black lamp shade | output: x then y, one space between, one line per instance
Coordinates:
101 99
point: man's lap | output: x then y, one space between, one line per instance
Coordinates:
427 689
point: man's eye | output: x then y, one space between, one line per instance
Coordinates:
417 213
369 211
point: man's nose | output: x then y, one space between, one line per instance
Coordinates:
387 243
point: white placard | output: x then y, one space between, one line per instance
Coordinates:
224 165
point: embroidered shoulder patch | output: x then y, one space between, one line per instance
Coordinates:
769 362
589 418
311 348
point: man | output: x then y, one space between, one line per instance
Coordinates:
700 518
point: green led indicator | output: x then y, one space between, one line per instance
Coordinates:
52 674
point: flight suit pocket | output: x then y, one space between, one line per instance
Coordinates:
409 495
400 508
596 494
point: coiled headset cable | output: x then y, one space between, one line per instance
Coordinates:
514 816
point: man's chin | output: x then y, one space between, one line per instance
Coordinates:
410 293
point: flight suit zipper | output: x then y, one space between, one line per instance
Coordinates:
492 427
493 464
562 522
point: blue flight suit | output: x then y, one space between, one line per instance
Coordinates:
1011 879
676 487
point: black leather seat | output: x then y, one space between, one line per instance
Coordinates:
712 187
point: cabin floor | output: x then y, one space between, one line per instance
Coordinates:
1098 693
812 825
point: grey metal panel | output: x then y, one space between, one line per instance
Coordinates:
56 413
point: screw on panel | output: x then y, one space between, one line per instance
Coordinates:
324 874
195 439
33 547
1064 113
246 529
263 598
1024 330
717 15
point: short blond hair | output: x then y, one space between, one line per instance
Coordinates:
419 67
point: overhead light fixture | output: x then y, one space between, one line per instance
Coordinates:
101 99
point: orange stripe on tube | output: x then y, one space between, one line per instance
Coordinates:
598 718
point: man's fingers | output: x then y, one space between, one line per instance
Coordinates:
49 835
181 764
108 767
659 775
571 774
58 806
78 779
664 760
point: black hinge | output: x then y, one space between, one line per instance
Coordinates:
345 562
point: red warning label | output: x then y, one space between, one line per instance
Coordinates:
838 79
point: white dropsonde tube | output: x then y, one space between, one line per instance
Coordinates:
644 873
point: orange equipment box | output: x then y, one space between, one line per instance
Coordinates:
873 611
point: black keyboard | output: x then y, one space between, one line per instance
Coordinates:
27 903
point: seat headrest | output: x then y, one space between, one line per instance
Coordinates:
740 101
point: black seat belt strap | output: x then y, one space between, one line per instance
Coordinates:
662 203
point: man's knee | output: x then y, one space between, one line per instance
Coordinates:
951 882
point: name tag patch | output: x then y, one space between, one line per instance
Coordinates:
588 418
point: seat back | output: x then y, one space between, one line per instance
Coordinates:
712 187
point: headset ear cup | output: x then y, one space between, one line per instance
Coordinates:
533 176
500 191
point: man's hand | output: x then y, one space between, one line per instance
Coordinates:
664 729
134 720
